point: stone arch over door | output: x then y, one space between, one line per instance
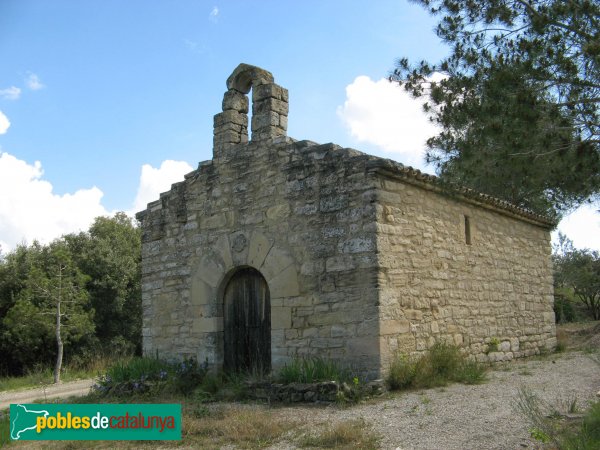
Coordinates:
247 322
214 268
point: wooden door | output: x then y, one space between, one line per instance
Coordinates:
247 310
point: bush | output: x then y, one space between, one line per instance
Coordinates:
402 373
563 309
141 375
441 364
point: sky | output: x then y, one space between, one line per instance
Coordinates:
105 103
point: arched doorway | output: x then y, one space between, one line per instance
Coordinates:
247 314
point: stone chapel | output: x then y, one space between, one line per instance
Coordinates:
279 248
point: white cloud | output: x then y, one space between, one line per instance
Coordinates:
29 210
11 93
154 181
582 226
4 123
384 114
33 82
213 16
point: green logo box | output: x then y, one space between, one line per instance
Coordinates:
131 422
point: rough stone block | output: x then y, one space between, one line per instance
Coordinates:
285 283
394 327
207 324
236 101
281 318
201 292
258 249
362 346
230 116
210 270
275 262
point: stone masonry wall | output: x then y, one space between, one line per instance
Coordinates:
436 286
360 261
300 213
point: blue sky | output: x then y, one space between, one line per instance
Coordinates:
99 94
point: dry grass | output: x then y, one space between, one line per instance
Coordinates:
579 336
251 427
218 426
350 434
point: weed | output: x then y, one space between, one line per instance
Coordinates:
350 434
402 373
493 345
238 427
539 435
312 370
471 372
549 425
441 364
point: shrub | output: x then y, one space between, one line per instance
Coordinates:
402 373
471 372
441 364
563 309
143 375
189 374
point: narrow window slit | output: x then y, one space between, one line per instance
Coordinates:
467 230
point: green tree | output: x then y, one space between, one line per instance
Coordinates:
110 254
49 313
579 270
518 102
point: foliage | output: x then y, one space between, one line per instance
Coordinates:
440 365
563 308
578 270
142 375
311 370
41 375
28 330
110 254
517 99
100 294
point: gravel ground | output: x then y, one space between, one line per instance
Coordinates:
465 417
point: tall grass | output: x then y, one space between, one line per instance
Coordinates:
312 370
440 365
547 422
45 376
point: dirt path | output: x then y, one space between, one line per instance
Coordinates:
63 390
